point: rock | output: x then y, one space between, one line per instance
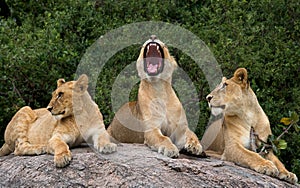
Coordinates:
133 165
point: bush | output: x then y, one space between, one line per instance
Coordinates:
42 41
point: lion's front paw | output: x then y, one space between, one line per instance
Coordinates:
288 176
193 146
171 151
107 148
268 168
62 159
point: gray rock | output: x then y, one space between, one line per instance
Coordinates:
133 165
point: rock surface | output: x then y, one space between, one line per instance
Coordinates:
133 165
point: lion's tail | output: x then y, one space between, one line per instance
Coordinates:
4 150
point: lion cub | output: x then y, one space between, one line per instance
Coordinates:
157 118
242 112
70 118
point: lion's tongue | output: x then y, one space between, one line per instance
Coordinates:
152 68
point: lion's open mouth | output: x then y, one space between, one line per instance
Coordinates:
153 59
59 113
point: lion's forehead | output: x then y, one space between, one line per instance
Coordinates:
233 86
66 86
231 89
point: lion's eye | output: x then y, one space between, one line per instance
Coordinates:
224 85
60 94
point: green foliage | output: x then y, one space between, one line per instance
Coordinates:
44 40
292 121
280 144
289 143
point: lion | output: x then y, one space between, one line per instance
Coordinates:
157 118
242 114
70 119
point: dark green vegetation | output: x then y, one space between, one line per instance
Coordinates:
42 41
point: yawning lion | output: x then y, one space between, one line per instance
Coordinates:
157 118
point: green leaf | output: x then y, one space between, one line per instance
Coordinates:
296 127
294 117
286 121
282 144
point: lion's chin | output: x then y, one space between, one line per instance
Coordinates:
58 117
217 110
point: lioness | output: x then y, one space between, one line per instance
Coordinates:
242 112
157 118
70 117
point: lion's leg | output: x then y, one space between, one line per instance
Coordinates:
60 149
184 138
17 130
236 153
163 144
283 172
102 143
192 144
25 148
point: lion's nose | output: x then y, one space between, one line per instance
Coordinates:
209 97
49 108
153 37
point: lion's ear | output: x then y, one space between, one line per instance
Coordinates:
241 76
81 84
60 82
224 79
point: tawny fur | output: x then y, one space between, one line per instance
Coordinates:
74 117
242 111
157 118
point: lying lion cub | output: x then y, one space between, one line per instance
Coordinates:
75 117
157 118
242 112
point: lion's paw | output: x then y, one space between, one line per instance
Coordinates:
268 168
107 148
62 159
288 176
172 151
193 147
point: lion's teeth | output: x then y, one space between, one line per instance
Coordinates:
157 47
